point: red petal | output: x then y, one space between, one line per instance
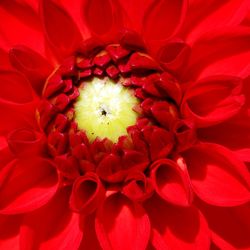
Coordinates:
32 65
110 169
120 221
89 240
171 182
98 15
26 142
22 19
5 157
14 87
160 142
217 176
16 116
230 226
133 12
237 65
213 100
61 31
174 55
180 228
9 232
233 133
137 187
101 16
87 194
29 185
5 62
227 14
157 26
75 11
3 142
212 56
53 226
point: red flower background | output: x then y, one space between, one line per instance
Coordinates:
180 179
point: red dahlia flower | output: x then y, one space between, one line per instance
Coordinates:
124 124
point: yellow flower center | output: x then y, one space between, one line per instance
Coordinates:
104 109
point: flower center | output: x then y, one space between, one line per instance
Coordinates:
112 111
104 109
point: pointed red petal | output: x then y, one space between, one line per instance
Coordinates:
61 31
120 220
217 176
53 226
28 185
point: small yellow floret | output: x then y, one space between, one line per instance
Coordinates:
104 109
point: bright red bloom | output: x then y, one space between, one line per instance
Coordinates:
179 179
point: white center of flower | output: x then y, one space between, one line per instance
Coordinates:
104 109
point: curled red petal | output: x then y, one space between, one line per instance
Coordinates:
174 55
26 142
171 182
120 220
27 185
110 169
53 226
217 176
213 100
87 194
160 141
137 186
